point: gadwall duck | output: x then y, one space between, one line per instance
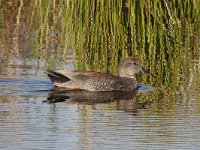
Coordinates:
97 81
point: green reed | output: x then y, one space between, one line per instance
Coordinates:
164 35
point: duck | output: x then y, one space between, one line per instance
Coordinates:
98 81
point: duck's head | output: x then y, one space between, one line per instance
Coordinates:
129 66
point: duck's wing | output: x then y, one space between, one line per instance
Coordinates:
67 75
87 80
57 76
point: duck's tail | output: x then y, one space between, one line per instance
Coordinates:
56 77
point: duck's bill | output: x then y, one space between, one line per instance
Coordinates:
147 72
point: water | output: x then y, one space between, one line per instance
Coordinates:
26 122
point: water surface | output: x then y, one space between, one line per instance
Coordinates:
28 123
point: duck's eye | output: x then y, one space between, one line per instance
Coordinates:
135 63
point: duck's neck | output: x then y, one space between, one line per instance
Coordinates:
125 74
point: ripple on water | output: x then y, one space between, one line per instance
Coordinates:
23 86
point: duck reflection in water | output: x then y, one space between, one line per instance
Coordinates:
124 100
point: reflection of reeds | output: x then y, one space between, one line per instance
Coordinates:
36 30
